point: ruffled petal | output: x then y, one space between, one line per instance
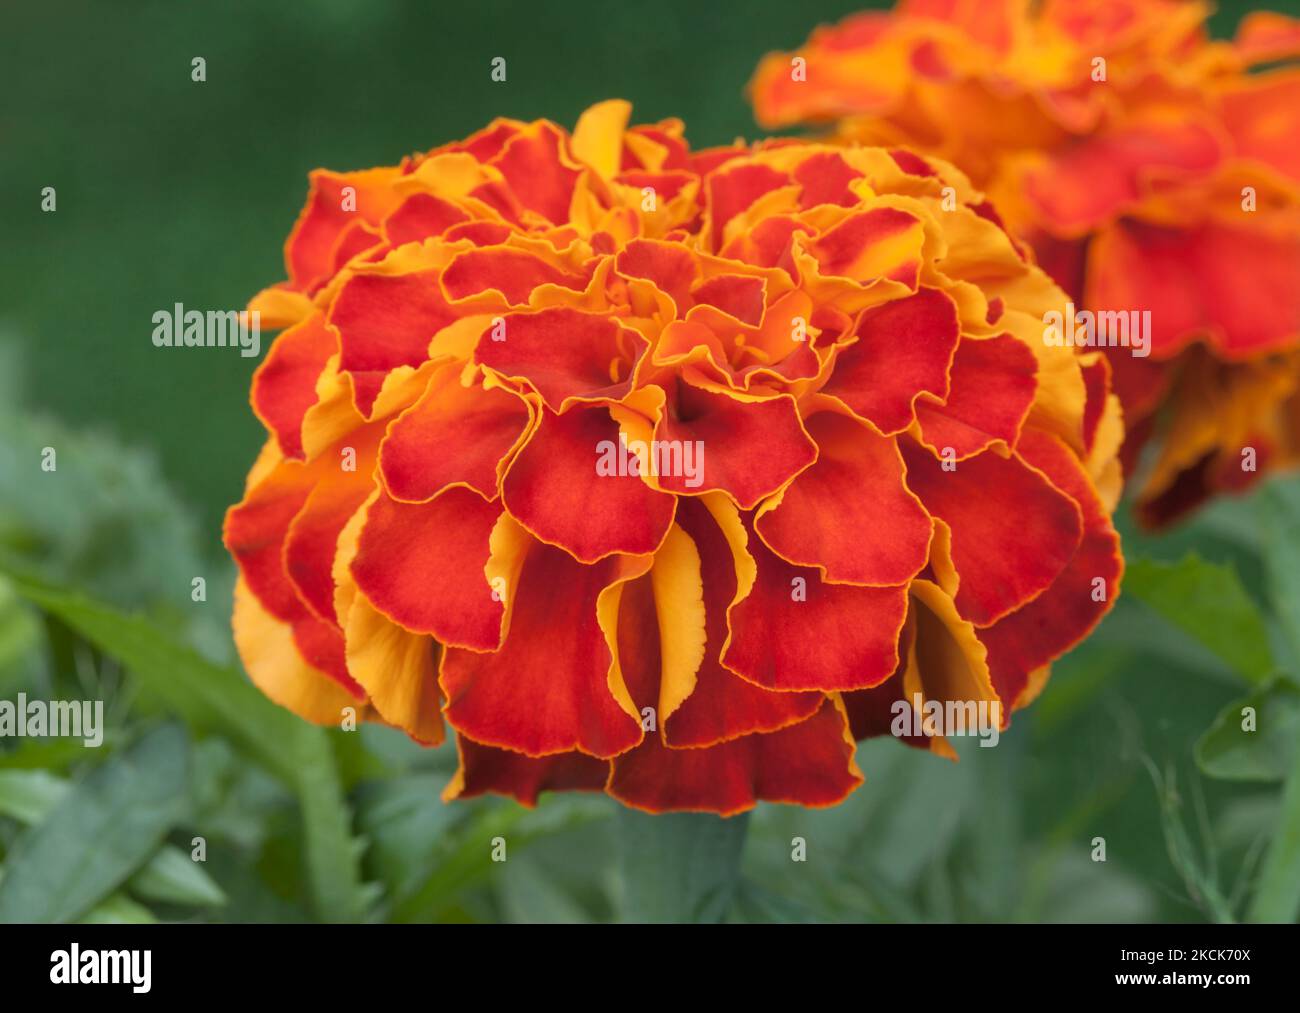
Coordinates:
541 694
794 631
904 348
809 763
850 514
454 435
441 588
559 489
1013 532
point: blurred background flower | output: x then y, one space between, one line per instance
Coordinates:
1150 168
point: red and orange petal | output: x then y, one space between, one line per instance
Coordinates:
1150 168
665 473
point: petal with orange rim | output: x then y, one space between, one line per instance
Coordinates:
567 356
733 190
794 631
454 435
722 705
878 243
396 668
557 489
421 216
1077 600
284 385
904 347
513 273
540 174
1013 532
745 448
386 321
809 763
309 251
850 514
539 693
486 770
421 565
277 668
992 387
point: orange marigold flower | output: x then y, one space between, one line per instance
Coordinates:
1150 169
662 472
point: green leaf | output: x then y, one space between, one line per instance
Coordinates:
119 909
464 859
218 698
1277 892
28 796
1207 602
99 833
333 854
680 867
172 877
208 696
1264 753
1279 505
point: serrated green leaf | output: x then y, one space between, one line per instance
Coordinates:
210 697
333 864
214 697
99 833
680 867
1207 602
1265 748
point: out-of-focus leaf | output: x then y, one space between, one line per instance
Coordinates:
1277 892
219 698
1279 505
1207 602
333 854
119 909
104 519
173 877
757 905
28 796
405 820
1228 750
463 860
52 754
209 696
99 833
20 638
529 896
680 867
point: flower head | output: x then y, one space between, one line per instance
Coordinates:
1149 168
662 472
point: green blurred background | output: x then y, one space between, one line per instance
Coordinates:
175 191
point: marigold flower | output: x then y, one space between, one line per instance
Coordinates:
664 472
1148 167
